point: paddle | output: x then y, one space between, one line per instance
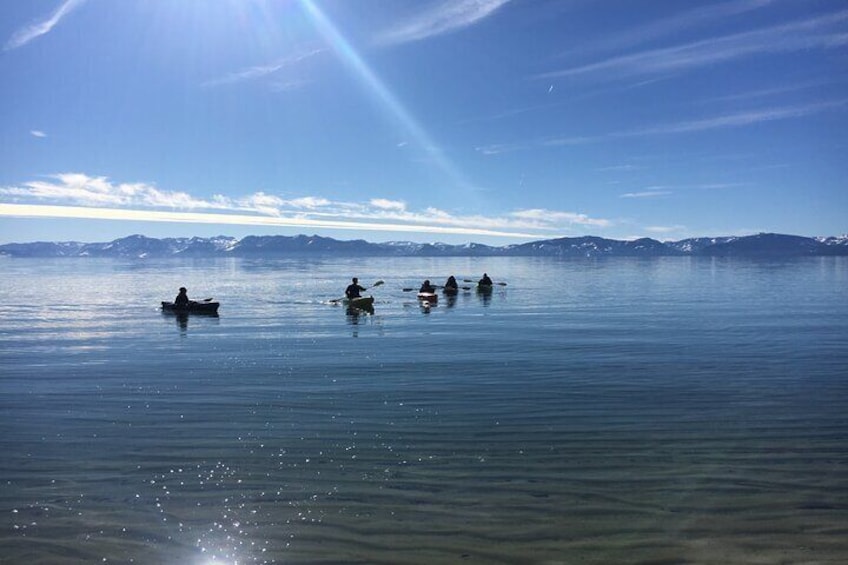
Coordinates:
497 283
438 286
455 287
337 300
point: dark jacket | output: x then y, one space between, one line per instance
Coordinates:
353 290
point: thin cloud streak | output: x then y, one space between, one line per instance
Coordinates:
260 71
766 92
665 229
76 191
739 119
34 31
448 17
79 212
808 34
646 194
675 24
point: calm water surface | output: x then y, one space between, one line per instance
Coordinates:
668 410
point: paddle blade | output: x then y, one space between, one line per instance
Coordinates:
378 283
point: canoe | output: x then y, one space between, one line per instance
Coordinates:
363 302
429 297
192 308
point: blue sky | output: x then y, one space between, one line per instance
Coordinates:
494 121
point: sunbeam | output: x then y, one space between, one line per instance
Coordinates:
381 92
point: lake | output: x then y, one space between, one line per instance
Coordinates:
669 410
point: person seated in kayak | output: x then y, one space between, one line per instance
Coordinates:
181 301
427 287
353 289
485 281
451 283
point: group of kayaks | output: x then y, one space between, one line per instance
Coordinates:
363 303
432 298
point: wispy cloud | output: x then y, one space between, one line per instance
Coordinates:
289 85
720 121
626 168
665 230
447 17
737 119
261 71
765 92
37 133
544 216
33 31
385 204
498 148
646 194
80 195
674 24
814 33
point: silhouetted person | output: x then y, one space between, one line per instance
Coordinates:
182 301
485 281
427 287
451 284
353 289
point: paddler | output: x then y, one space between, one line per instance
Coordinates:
427 287
181 301
451 284
353 289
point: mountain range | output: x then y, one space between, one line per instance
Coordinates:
770 245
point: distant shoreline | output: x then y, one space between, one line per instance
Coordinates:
765 245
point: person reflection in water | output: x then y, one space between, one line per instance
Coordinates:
182 322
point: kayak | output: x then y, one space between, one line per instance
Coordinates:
450 291
192 308
362 302
429 297
484 288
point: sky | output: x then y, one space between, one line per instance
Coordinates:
488 121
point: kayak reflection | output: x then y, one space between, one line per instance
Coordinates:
181 318
356 311
484 292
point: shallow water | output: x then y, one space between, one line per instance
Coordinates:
671 410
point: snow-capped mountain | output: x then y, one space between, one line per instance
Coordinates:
139 246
